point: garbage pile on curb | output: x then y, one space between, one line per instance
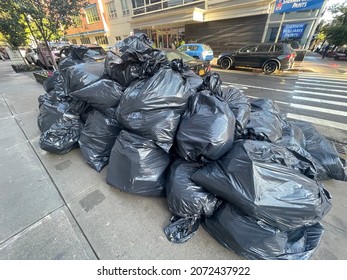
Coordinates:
233 164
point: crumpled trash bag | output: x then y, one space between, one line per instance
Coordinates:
103 95
323 151
50 112
263 184
62 136
257 240
212 82
97 139
152 107
51 81
81 75
240 106
294 140
195 81
184 197
181 229
206 131
76 56
265 122
138 42
132 65
137 165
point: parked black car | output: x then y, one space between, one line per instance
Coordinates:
268 56
200 67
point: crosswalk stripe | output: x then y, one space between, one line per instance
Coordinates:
338 103
321 94
318 109
323 122
330 85
325 82
324 89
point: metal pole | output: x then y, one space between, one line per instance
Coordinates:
280 27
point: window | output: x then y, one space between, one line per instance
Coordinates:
263 48
125 8
101 40
248 49
118 38
92 14
111 10
77 20
85 40
74 41
278 48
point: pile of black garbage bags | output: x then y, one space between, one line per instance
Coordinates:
233 164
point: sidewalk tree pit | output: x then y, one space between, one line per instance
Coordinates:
232 164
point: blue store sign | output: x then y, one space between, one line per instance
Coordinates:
297 5
293 30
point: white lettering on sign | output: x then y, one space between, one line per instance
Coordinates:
299 5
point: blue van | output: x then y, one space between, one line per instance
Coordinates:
199 51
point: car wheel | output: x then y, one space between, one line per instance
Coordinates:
270 67
226 63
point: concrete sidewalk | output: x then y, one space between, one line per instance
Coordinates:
57 207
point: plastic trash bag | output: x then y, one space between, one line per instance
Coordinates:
294 140
265 122
152 107
184 197
50 113
138 42
252 177
137 165
103 95
212 82
62 136
181 229
76 56
207 128
97 139
188 75
323 151
81 75
257 240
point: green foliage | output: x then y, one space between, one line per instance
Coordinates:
336 31
13 28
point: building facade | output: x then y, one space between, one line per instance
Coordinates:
223 24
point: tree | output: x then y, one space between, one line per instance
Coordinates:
46 18
13 29
336 31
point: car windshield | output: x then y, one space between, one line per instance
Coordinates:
171 54
96 51
207 48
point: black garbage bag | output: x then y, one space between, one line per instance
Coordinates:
181 229
213 83
138 42
121 71
262 183
81 75
207 128
323 151
152 107
137 165
132 65
50 112
76 56
265 122
195 82
97 139
240 106
294 140
62 136
257 240
103 95
77 106
184 197
51 81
